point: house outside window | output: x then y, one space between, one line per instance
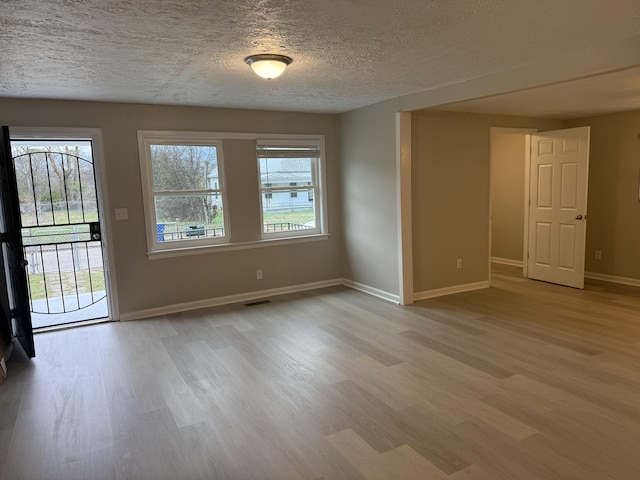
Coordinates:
286 169
185 191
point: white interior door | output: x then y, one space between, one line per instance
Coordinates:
558 206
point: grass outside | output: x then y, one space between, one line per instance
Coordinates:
172 230
57 217
171 226
64 283
295 218
298 218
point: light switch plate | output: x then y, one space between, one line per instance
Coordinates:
122 214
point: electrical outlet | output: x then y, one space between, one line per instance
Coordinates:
258 274
598 255
459 263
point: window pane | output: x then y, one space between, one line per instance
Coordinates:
184 167
282 212
55 183
189 217
283 172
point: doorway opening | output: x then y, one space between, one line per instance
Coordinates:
61 230
509 195
547 173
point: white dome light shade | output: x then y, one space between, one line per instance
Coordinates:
268 65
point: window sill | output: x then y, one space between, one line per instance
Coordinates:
227 247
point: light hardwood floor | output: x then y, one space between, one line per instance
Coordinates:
524 380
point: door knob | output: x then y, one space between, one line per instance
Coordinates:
578 217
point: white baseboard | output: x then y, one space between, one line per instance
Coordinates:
390 297
440 292
214 302
634 282
507 261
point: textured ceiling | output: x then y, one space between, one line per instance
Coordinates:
347 53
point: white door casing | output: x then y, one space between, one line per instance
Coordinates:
558 206
95 135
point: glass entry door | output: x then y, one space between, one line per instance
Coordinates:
61 232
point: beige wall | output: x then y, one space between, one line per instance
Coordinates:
613 224
450 183
450 191
614 210
369 197
450 195
507 193
145 284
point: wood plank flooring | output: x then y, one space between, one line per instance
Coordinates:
524 380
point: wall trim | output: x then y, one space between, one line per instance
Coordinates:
239 298
507 261
634 282
403 190
390 297
440 292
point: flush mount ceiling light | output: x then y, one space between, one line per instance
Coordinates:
268 65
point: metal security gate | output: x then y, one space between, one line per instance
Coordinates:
61 233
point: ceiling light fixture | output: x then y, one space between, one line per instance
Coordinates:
268 65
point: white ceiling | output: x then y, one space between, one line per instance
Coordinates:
347 53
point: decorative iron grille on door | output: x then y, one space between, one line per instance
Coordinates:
60 231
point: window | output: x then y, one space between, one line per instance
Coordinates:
184 194
191 207
287 168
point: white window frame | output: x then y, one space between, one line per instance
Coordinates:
317 185
146 138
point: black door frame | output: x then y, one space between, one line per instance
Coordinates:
14 291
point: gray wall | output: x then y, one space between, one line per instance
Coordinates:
368 184
145 284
